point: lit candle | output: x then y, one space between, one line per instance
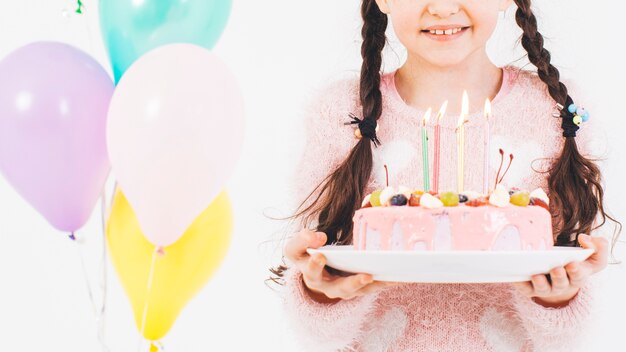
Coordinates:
437 153
487 146
460 134
425 150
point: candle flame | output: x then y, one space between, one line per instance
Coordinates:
464 109
487 109
427 116
442 111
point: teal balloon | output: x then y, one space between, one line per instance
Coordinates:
133 27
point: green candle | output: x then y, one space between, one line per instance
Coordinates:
425 151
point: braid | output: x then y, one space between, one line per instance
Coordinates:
574 181
340 194
373 33
336 218
532 41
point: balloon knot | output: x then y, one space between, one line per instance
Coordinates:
72 237
160 251
79 9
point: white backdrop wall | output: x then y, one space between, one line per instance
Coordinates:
280 51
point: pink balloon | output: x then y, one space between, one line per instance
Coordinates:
53 108
175 132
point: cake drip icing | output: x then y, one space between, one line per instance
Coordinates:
453 228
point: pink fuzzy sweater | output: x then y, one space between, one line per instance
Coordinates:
435 317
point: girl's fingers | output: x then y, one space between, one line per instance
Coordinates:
541 286
346 287
313 271
578 273
560 282
525 287
295 248
335 287
599 259
312 268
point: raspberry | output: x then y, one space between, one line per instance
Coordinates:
478 202
539 202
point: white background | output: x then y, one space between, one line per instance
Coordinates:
280 51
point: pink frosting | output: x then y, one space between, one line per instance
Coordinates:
468 228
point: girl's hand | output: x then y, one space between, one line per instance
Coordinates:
322 286
566 281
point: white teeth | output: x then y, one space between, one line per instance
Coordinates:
445 32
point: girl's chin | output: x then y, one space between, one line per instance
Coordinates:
444 60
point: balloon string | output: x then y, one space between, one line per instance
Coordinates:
145 306
103 282
80 6
95 310
85 275
108 213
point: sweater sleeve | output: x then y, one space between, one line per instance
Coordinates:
556 329
323 326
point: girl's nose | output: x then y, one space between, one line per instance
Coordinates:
443 9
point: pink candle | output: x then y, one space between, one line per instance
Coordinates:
425 165
437 153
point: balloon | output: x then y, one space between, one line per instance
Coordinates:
176 276
53 109
133 27
174 134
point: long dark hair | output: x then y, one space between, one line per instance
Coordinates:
574 182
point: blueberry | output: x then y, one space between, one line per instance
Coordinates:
513 191
463 198
398 199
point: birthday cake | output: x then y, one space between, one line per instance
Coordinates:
409 220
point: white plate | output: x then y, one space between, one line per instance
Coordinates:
451 266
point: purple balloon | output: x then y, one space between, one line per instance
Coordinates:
54 100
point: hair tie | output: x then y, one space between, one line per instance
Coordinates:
573 116
366 128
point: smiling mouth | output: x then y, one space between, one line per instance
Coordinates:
444 32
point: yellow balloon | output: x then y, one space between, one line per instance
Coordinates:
178 274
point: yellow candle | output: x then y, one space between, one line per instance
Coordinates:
460 133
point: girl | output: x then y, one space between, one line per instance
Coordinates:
445 42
